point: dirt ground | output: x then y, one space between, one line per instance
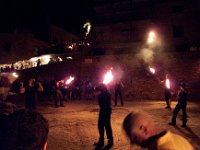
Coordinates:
74 127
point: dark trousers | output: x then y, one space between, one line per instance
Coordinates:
104 122
177 109
167 97
58 98
118 93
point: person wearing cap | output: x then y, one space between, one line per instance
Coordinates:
104 123
181 105
141 130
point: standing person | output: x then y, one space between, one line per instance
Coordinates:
104 100
59 96
118 92
167 91
182 103
38 62
141 130
30 94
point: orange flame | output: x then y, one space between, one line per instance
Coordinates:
167 83
152 70
108 77
69 80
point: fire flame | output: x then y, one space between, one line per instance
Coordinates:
69 80
108 77
15 75
151 37
167 83
152 70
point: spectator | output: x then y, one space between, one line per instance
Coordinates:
141 130
31 93
118 92
25 130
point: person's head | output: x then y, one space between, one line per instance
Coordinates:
31 82
102 88
139 127
25 130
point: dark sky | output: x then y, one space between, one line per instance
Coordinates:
37 15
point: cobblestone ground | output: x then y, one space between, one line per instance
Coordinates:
74 127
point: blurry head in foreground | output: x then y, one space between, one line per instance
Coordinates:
141 130
139 127
25 130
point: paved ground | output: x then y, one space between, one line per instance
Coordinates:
74 127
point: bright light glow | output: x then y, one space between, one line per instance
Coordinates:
151 37
152 34
167 83
14 74
108 77
60 59
69 80
69 57
34 59
70 46
44 59
152 70
87 25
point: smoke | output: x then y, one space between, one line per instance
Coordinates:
146 54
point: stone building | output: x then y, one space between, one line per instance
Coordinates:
20 46
122 26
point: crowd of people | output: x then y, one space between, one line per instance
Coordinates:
28 129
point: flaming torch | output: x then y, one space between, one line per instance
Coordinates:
69 80
167 83
152 70
108 77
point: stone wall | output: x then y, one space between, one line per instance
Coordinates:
139 83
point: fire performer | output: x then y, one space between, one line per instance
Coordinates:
167 91
182 102
104 100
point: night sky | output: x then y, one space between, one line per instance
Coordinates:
37 15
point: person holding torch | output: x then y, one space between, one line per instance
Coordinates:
167 91
104 101
182 103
